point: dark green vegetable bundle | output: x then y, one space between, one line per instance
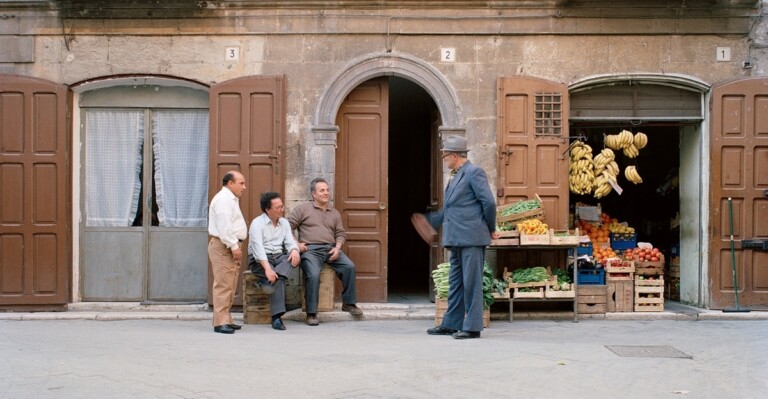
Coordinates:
562 276
440 277
521 206
530 275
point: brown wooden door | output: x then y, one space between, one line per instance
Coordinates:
248 135
532 138
35 208
739 153
361 185
436 199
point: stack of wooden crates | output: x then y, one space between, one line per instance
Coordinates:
619 279
649 287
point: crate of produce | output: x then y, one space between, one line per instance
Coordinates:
525 288
623 240
620 295
649 295
591 277
591 299
564 237
534 239
584 248
619 270
519 211
646 268
508 233
555 290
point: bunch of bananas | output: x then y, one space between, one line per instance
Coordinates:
605 162
627 142
640 140
602 186
630 172
618 228
605 169
581 175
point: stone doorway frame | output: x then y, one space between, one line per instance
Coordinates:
324 126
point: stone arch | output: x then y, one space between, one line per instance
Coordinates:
385 64
675 80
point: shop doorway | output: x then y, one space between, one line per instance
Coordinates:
414 186
651 207
385 172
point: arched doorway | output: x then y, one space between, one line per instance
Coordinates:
400 106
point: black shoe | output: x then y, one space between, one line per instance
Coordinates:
277 324
466 334
234 326
224 329
440 330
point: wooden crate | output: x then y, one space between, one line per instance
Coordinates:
509 234
571 237
620 295
441 306
591 299
519 217
255 302
550 293
649 295
534 239
538 287
620 270
504 242
326 292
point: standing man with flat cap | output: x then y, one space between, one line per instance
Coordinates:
227 229
468 218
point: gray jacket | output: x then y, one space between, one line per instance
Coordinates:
468 215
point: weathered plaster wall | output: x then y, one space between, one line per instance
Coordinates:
311 47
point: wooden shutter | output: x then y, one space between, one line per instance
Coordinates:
247 118
532 138
739 155
35 208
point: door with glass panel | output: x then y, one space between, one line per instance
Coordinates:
145 191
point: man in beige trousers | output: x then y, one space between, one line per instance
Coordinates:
227 229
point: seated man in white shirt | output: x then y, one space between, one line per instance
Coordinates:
272 253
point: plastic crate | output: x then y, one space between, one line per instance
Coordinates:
591 277
584 249
623 241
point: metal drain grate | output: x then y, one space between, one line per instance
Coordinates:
647 351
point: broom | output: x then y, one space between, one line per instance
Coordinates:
733 265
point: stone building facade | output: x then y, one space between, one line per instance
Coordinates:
453 53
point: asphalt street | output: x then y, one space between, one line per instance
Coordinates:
384 359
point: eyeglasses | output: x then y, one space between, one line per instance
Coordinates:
446 155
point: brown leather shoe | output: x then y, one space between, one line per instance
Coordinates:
352 309
312 320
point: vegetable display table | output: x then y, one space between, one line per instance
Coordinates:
500 247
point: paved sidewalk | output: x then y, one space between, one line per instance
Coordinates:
412 310
592 359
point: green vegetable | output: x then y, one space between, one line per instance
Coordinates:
530 275
440 277
562 276
521 206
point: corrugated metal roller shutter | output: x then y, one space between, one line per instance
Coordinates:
637 102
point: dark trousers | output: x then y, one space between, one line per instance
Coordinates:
312 262
282 266
465 294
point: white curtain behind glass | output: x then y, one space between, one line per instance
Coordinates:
114 140
180 146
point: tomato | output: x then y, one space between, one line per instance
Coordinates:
655 251
654 259
648 257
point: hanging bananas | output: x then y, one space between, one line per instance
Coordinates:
605 169
581 173
640 140
630 172
627 142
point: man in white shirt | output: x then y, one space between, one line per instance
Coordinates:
227 229
272 253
